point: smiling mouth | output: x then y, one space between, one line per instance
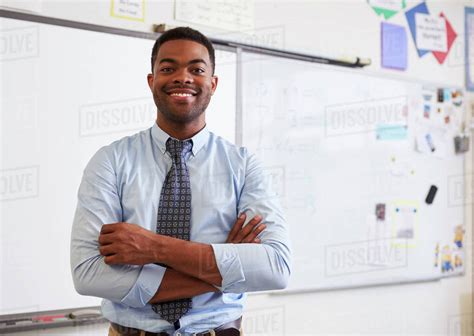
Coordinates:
176 94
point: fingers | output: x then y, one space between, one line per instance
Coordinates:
252 236
107 250
236 228
111 260
105 239
109 228
242 234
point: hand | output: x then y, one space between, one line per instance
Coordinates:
249 233
124 243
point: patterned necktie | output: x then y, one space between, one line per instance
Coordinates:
174 215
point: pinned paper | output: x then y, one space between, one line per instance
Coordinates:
391 132
404 219
450 38
446 259
432 141
410 15
128 9
394 46
457 97
401 168
380 211
431 33
387 8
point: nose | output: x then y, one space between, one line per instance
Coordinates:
183 76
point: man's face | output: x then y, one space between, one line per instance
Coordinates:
182 82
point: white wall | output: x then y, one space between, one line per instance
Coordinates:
350 28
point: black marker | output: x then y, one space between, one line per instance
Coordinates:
431 194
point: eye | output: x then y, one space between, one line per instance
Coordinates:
198 70
166 69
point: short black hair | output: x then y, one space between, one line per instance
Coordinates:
183 33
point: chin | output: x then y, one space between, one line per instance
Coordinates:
183 117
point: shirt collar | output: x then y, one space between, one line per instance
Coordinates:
160 137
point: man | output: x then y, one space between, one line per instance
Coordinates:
153 235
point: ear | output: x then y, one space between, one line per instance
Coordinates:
214 80
150 78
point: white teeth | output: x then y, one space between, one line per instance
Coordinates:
182 94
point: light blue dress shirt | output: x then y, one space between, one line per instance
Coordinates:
122 183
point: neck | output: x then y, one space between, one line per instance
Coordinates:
181 131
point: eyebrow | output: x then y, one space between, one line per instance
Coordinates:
172 60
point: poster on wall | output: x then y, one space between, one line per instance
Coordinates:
387 8
230 15
394 46
469 50
128 9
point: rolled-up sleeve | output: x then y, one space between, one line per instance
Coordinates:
98 204
257 267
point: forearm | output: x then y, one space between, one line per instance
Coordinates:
126 284
193 259
253 267
176 285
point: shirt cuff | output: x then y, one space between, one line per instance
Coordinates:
229 265
145 287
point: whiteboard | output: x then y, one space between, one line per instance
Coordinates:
65 93
335 143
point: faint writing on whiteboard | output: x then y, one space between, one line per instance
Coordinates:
19 43
359 117
431 33
128 9
120 116
234 15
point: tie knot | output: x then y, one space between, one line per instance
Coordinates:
178 148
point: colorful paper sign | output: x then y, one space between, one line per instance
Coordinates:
391 132
387 8
431 33
410 15
394 46
450 37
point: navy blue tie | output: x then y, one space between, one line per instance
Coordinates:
174 215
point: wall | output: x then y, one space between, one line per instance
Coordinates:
337 28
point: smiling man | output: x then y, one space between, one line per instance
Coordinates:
169 254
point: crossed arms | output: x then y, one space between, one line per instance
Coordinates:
119 261
192 268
